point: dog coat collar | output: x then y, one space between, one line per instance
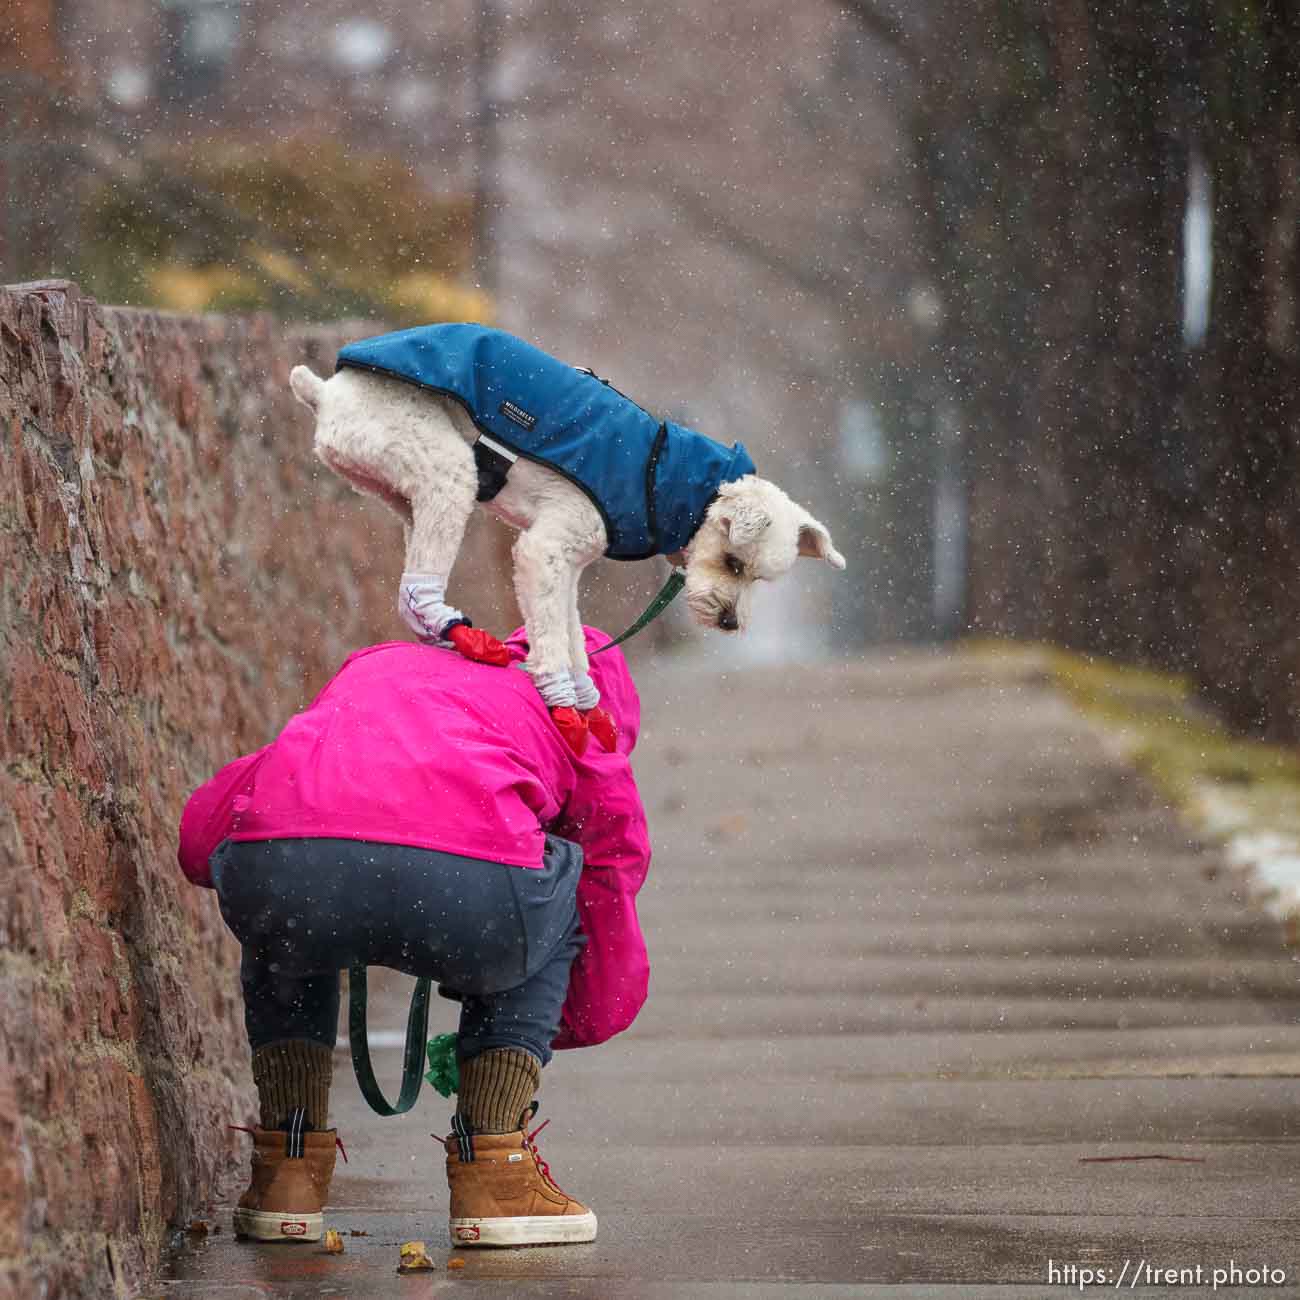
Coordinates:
651 481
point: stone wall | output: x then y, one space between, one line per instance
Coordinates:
177 577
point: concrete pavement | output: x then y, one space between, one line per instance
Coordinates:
922 953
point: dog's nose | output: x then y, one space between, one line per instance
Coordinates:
728 621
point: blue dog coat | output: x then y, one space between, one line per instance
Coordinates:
651 481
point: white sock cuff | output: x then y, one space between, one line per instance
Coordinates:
586 691
422 607
556 689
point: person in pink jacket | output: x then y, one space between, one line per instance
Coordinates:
424 814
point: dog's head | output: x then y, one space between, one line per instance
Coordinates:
751 533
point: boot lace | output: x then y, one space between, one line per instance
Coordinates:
542 1167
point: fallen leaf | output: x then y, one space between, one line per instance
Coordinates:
729 827
455 1262
414 1258
333 1243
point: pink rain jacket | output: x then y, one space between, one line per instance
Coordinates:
409 744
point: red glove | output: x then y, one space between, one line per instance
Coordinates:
573 727
482 647
602 725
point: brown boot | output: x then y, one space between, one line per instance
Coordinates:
291 1183
502 1193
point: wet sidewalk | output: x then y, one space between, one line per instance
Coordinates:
930 973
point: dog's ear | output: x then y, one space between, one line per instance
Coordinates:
815 542
744 522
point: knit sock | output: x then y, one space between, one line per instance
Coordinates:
495 1089
292 1073
556 689
421 603
585 690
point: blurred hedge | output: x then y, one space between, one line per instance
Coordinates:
304 230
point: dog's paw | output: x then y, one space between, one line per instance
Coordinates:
573 727
480 646
601 724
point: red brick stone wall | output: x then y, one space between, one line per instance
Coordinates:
177 577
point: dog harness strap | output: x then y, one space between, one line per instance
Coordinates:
667 594
417 1033
493 462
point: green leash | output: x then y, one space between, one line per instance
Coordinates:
440 1051
668 593
417 1033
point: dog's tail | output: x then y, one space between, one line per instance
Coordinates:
307 387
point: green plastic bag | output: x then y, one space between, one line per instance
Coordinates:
443 1073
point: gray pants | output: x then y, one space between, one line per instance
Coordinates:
500 939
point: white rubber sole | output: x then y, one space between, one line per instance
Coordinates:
524 1230
262 1225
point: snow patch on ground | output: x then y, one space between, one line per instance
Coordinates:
1268 860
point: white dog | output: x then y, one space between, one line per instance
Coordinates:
433 419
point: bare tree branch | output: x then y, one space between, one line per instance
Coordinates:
814 277
886 28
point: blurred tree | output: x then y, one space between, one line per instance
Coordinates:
1243 398
34 144
1132 480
